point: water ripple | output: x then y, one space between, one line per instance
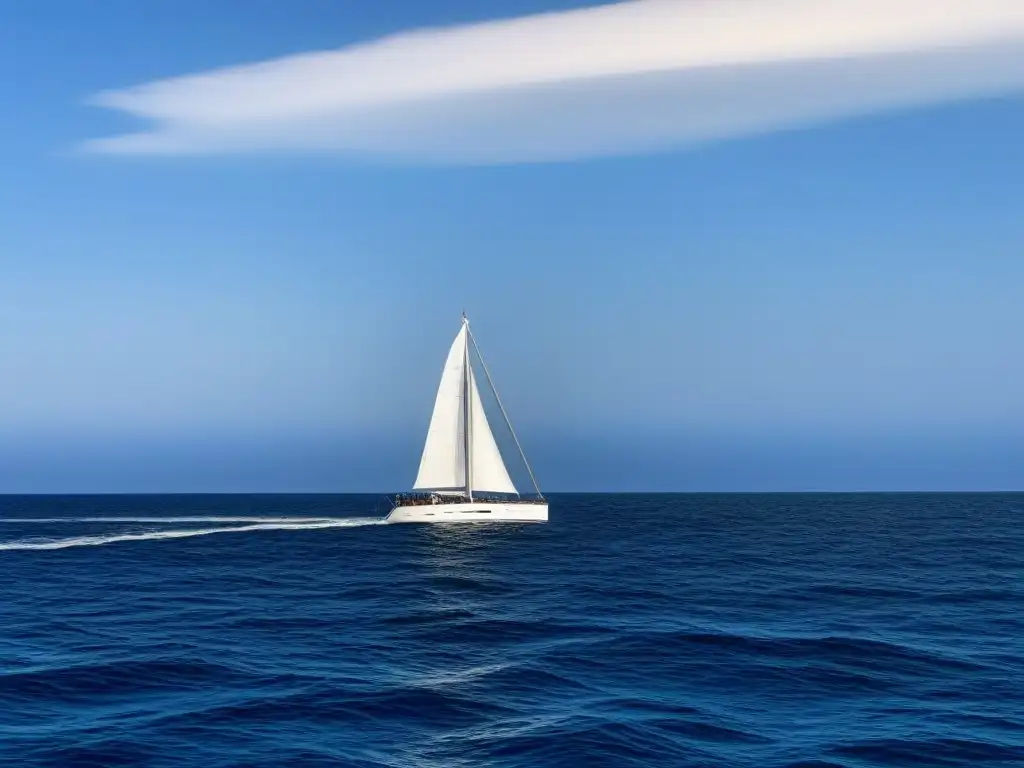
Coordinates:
739 631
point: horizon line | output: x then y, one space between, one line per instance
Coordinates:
97 494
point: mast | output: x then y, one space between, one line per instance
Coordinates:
501 407
466 413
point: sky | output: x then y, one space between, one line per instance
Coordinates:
705 245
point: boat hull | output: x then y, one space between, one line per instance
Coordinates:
470 512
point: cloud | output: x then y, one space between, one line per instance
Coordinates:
629 77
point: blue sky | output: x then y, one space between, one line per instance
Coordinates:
833 306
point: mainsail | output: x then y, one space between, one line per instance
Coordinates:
445 464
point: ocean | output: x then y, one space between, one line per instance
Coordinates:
803 631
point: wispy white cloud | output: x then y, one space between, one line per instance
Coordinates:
613 79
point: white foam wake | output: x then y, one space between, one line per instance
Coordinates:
93 541
207 519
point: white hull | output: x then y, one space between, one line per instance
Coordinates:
470 512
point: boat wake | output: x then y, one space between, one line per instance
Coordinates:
157 520
265 524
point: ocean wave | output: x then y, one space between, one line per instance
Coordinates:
129 677
104 753
584 740
666 631
326 704
505 631
859 652
420 618
932 753
469 584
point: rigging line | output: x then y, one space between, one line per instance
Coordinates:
501 407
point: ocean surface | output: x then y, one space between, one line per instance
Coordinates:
694 630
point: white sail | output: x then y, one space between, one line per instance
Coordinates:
487 469
443 463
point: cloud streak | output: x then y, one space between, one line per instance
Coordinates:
630 77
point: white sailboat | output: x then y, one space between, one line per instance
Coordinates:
462 477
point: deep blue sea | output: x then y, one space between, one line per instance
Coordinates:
692 630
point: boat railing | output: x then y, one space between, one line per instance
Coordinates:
427 499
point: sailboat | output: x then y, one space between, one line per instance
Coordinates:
462 477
